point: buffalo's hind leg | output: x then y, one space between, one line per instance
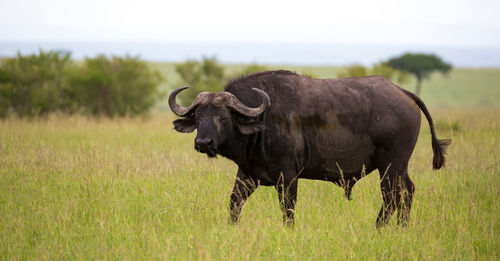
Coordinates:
397 192
287 195
388 197
244 186
404 204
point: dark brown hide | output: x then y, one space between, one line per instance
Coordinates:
336 130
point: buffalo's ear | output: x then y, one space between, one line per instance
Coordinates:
249 126
185 125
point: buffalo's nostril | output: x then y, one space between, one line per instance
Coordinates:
204 141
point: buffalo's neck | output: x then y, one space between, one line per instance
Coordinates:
242 150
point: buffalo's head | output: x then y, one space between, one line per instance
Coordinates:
218 117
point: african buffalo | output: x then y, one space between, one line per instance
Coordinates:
279 126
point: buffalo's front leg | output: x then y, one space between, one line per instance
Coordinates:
244 186
287 195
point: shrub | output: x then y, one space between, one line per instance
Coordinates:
200 76
35 84
253 68
207 75
355 70
382 69
50 81
115 86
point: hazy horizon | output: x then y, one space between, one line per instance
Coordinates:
273 53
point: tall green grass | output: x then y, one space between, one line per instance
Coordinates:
79 188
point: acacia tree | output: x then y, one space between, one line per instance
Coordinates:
420 65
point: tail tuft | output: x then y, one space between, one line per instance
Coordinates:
439 147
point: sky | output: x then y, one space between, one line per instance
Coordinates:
416 22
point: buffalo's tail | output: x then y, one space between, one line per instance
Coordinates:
438 146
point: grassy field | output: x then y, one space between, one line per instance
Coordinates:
82 188
77 188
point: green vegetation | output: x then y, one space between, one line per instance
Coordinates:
355 70
28 87
420 65
201 76
398 69
115 86
382 69
34 84
207 75
129 188
253 68
460 88
46 82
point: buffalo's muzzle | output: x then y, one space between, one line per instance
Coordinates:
203 142
205 145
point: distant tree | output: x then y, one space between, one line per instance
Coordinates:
420 65
200 76
381 69
115 86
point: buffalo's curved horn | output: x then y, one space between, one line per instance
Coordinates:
183 111
237 105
